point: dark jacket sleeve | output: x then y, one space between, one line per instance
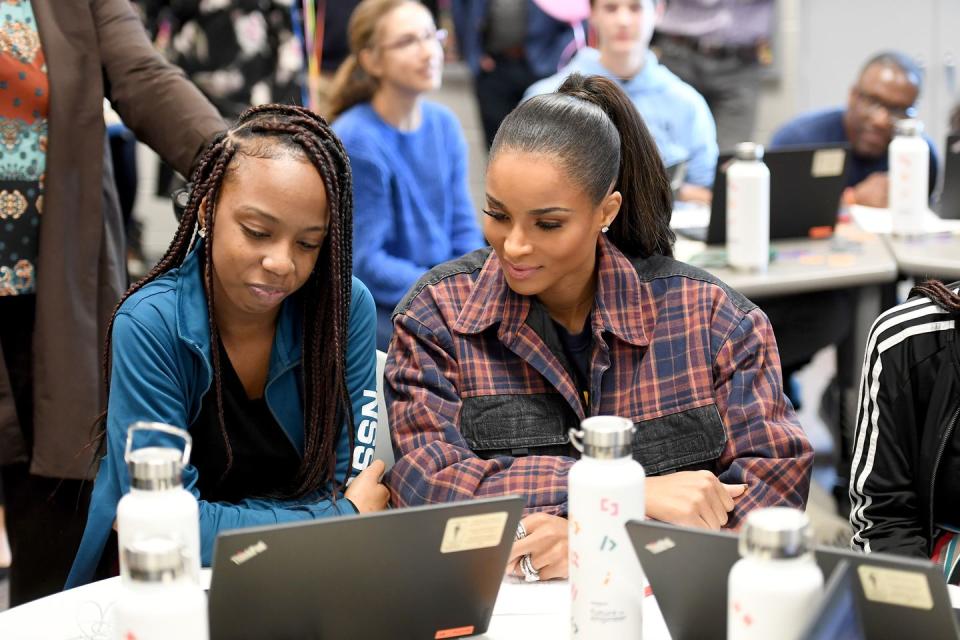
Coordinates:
154 98
885 510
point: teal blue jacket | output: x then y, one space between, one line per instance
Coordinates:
161 372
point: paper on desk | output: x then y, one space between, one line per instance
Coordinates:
517 597
877 220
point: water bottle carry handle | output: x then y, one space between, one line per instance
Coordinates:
162 428
576 439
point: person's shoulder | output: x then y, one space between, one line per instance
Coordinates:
546 85
444 281
361 300
439 113
813 127
356 124
911 332
154 302
671 274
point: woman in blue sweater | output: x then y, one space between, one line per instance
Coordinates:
408 155
252 333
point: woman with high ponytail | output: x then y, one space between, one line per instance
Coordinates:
409 158
251 334
578 310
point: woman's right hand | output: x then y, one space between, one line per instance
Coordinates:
691 498
366 492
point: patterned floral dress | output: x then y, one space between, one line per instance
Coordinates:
24 98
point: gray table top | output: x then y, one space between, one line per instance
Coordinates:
936 256
852 258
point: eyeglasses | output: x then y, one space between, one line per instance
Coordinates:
871 104
410 40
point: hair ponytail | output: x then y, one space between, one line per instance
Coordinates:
593 128
352 85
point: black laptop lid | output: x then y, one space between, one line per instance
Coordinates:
688 569
805 188
948 206
423 572
838 617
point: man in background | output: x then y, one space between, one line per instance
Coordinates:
885 91
508 45
720 48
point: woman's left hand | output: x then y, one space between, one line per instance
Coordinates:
546 542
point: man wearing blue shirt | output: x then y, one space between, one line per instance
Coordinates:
678 117
886 91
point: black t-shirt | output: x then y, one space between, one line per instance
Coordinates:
265 461
578 348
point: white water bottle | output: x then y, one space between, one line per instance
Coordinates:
908 179
748 209
776 585
157 504
158 601
605 491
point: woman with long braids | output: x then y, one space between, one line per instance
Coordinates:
905 473
252 333
579 310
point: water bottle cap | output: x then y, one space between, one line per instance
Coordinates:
750 151
604 437
776 532
155 468
908 127
154 559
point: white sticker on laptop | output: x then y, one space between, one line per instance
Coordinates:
895 586
466 533
827 163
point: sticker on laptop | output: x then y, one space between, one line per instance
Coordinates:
465 533
895 586
827 163
454 633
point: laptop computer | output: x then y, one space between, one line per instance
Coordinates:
838 617
423 572
805 188
948 202
688 568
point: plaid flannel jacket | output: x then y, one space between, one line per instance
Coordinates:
480 398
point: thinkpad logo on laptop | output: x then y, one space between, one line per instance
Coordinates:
250 552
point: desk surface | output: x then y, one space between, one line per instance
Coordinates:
852 258
523 611
934 256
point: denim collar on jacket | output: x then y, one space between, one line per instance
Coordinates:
618 308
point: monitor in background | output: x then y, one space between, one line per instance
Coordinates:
423 572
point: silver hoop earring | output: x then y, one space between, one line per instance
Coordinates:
604 229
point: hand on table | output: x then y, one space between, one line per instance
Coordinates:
872 190
691 498
366 492
546 542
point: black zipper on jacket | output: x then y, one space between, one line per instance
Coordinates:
936 463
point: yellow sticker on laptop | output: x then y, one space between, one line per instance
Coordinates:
895 586
827 163
465 533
